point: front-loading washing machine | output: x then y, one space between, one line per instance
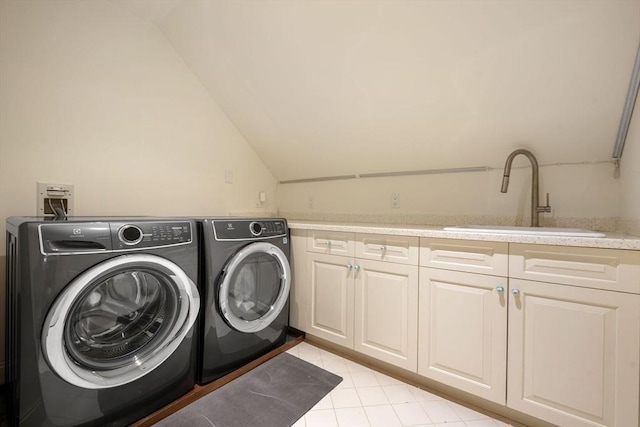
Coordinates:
101 318
246 279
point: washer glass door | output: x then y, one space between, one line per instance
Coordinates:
120 320
255 287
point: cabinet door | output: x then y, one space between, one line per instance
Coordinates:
573 354
386 312
463 331
330 279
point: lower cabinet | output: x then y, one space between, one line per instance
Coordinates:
463 331
554 335
573 354
331 298
368 306
386 312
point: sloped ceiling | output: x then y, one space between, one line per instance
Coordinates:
324 88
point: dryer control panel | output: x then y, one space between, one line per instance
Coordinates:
249 229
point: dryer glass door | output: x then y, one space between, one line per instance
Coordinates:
255 287
119 320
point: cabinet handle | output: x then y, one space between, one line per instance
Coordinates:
515 292
500 289
383 248
349 266
328 243
357 267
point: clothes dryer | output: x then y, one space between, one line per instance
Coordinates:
101 318
245 289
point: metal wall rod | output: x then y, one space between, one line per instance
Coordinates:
629 103
388 174
425 172
325 178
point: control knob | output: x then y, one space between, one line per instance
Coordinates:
255 228
130 235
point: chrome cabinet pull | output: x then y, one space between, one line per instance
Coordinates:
349 266
515 292
357 267
500 289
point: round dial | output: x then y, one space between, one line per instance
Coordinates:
130 235
255 228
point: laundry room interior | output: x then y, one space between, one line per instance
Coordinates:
338 116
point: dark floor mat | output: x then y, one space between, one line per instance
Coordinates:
275 394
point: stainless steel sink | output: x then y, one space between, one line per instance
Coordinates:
532 231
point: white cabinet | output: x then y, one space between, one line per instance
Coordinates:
331 298
574 341
573 344
463 316
361 300
550 331
386 312
573 354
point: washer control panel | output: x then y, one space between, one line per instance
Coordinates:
76 237
249 229
151 234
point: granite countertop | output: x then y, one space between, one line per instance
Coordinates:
611 241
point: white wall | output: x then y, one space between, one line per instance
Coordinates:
581 196
93 96
325 88
630 177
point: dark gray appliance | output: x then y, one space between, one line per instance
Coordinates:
101 318
245 289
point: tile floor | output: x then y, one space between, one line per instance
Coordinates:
368 398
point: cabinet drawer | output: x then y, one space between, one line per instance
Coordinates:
465 255
399 249
608 269
331 242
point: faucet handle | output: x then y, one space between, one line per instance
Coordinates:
546 208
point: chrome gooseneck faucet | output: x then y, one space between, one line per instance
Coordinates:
535 209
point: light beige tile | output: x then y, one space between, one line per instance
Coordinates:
440 411
411 414
300 423
321 418
309 353
367 397
346 382
386 379
398 393
382 416
364 379
487 422
370 396
345 398
423 395
335 365
324 403
465 413
356 367
352 417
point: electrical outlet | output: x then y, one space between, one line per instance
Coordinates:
395 201
310 202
